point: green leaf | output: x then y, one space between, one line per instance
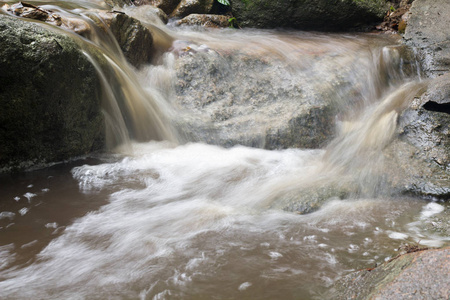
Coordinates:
224 2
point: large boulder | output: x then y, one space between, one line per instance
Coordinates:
49 97
308 14
235 93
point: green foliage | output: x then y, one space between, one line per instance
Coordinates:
392 8
224 2
232 22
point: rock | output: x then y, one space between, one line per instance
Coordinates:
187 7
417 275
49 95
147 14
244 95
213 21
167 6
422 155
423 152
428 31
29 11
119 3
309 199
308 14
134 39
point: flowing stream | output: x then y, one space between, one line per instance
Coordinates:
183 208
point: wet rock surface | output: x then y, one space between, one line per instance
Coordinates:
49 95
423 152
428 31
309 14
418 275
419 164
425 128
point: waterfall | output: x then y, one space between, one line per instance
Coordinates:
244 164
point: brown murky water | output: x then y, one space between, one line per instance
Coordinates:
165 220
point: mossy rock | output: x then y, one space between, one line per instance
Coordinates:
49 97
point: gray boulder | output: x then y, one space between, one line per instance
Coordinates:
49 97
308 14
239 95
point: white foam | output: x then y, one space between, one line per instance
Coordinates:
397 235
431 209
275 255
7 214
29 196
244 286
23 211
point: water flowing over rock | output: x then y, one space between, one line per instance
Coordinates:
49 95
134 39
309 14
251 96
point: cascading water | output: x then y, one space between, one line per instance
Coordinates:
180 219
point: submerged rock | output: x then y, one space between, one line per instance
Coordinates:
49 95
416 275
308 14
